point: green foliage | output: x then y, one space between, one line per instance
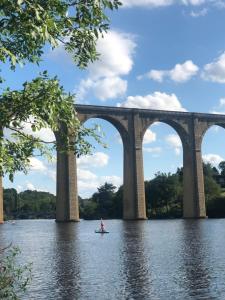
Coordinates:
222 167
88 209
106 203
212 189
42 103
104 200
28 204
26 26
10 197
164 196
13 277
216 207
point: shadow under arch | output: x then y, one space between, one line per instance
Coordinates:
164 194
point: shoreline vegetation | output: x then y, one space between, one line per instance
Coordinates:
164 195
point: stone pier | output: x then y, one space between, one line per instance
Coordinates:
67 208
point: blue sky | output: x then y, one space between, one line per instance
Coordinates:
159 54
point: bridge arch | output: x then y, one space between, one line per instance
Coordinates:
213 144
113 170
205 126
111 119
179 127
162 155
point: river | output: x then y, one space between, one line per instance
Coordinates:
155 259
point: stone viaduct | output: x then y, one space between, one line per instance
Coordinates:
132 124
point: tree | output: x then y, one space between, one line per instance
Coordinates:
14 278
212 189
222 167
26 26
10 201
163 195
104 200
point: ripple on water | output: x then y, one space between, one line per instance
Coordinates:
160 259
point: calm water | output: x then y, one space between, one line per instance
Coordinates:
169 259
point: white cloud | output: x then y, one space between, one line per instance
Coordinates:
36 165
19 188
52 174
157 100
45 134
215 71
160 3
180 73
98 159
88 181
156 150
106 88
147 3
30 186
219 109
116 50
89 184
213 159
201 13
149 137
116 59
157 75
85 175
174 141
115 180
184 72
193 2
46 168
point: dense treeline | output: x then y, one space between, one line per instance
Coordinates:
164 195
28 204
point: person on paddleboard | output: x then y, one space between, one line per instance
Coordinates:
102 226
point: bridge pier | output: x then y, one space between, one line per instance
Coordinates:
193 178
134 206
67 208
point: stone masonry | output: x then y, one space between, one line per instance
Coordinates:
132 124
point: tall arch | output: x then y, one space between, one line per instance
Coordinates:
188 128
133 180
161 151
213 143
110 160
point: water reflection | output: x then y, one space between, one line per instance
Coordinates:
67 262
194 263
163 259
135 271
